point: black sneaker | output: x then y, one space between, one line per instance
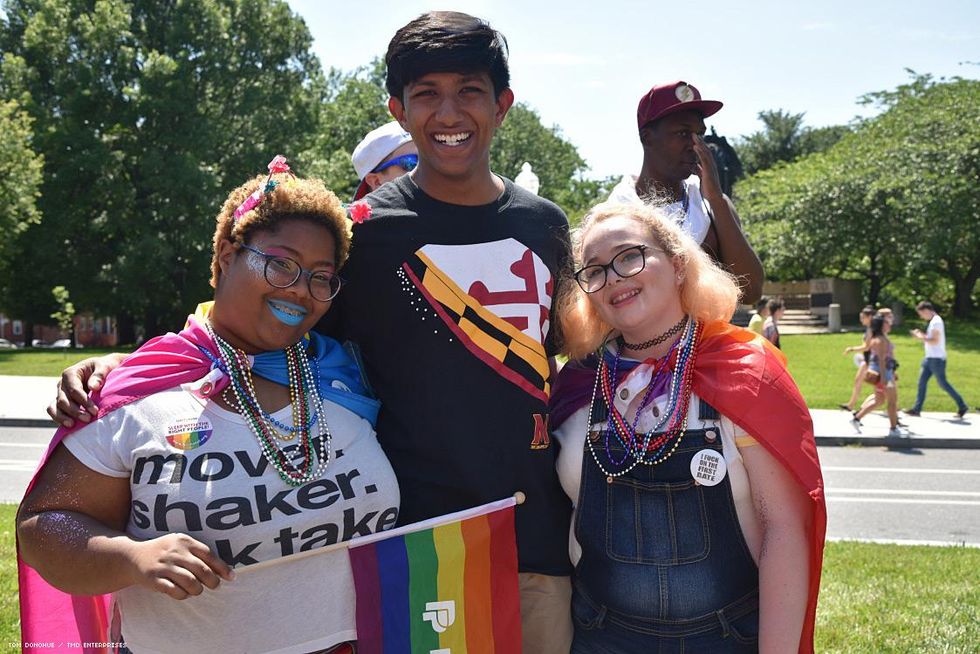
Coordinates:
961 413
845 407
911 412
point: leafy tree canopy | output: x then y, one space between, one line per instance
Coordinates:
896 202
147 113
783 137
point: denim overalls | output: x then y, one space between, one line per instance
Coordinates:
665 567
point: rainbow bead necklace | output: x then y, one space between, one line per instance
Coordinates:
315 450
658 444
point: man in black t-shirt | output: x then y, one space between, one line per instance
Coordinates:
450 286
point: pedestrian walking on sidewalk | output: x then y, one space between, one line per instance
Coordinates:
867 313
882 365
934 363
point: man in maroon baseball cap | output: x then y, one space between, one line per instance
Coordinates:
679 167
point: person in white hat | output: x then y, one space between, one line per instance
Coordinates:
384 154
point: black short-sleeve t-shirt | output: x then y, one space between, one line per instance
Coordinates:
451 306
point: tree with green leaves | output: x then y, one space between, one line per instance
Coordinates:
354 103
930 133
65 315
20 173
783 137
896 202
557 163
147 113
20 180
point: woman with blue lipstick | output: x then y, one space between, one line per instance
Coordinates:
234 446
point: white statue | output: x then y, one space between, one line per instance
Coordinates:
527 179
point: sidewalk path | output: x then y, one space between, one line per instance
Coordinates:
833 427
23 401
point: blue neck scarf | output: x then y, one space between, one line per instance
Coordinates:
340 377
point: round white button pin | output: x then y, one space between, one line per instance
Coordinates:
708 467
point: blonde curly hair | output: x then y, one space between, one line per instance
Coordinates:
707 292
292 198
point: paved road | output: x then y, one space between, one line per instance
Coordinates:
929 495
20 450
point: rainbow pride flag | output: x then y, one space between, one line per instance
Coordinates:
442 586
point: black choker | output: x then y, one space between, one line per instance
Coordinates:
653 341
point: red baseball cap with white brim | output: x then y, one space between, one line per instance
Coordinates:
666 99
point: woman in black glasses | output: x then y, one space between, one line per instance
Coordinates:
232 447
687 452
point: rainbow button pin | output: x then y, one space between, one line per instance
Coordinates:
189 434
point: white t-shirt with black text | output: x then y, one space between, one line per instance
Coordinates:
197 469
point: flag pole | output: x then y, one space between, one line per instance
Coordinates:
517 498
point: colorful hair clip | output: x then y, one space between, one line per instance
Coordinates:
277 165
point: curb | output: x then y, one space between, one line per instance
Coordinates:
27 422
900 443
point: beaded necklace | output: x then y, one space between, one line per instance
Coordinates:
315 449
658 444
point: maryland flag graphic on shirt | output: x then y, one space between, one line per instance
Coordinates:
496 298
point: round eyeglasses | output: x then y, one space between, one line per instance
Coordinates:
626 263
406 161
283 272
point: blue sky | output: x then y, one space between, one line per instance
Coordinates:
584 65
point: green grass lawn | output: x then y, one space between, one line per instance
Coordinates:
822 372
9 611
898 599
33 362
825 375
874 598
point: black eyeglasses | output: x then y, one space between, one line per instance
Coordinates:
406 161
626 263
283 272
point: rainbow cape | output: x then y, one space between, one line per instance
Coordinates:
50 615
743 376
448 584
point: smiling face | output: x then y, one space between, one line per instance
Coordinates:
668 146
452 118
253 315
641 306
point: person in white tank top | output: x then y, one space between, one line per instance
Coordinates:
678 169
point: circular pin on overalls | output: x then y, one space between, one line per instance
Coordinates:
708 467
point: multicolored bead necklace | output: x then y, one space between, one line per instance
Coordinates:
658 444
315 449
